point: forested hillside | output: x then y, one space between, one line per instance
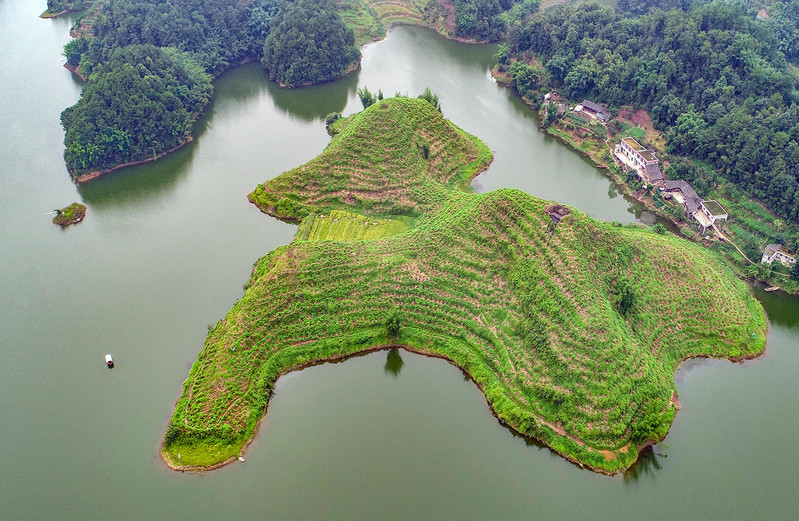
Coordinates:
714 77
184 40
310 44
142 100
481 20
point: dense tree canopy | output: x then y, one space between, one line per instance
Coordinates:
216 32
143 100
481 20
310 44
636 7
133 109
783 21
715 77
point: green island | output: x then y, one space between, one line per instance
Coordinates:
71 214
571 327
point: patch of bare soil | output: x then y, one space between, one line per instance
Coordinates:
449 22
641 119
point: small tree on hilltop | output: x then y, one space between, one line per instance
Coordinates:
431 98
367 98
393 324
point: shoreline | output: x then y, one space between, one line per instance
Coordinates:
352 67
338 358
47 14
91 176
619 183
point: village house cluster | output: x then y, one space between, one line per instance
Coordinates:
633 155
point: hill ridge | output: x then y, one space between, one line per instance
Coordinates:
572 330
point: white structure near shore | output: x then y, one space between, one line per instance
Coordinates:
636 156
779 253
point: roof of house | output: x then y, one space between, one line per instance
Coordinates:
692 200
632 143
595 107
653 172
648 155
714 208
771 249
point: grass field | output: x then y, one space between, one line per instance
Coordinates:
572 331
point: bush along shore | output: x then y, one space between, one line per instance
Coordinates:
571 327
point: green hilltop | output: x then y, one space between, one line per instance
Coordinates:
571 329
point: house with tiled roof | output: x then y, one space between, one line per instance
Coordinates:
594 110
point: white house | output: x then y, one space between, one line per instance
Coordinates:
778 252
640 158
714 211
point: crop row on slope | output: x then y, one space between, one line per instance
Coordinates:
572 332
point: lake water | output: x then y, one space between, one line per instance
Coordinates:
164 251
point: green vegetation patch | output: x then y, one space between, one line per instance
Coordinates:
340 225
572 330
72 214
310 44
362 19
141 102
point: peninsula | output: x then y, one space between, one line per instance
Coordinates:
571 327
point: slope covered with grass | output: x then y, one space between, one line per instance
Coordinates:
572 331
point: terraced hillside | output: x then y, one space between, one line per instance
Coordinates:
370 18
572 329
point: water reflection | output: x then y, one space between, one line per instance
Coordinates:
316 101
394 362
649 462
613 192
780 307
138 184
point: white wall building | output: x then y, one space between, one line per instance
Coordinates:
778 252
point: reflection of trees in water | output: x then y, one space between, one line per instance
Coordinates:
309 103
315 101
136 184
394 362
647 465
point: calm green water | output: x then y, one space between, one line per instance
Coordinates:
164 251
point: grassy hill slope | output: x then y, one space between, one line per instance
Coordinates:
572 331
